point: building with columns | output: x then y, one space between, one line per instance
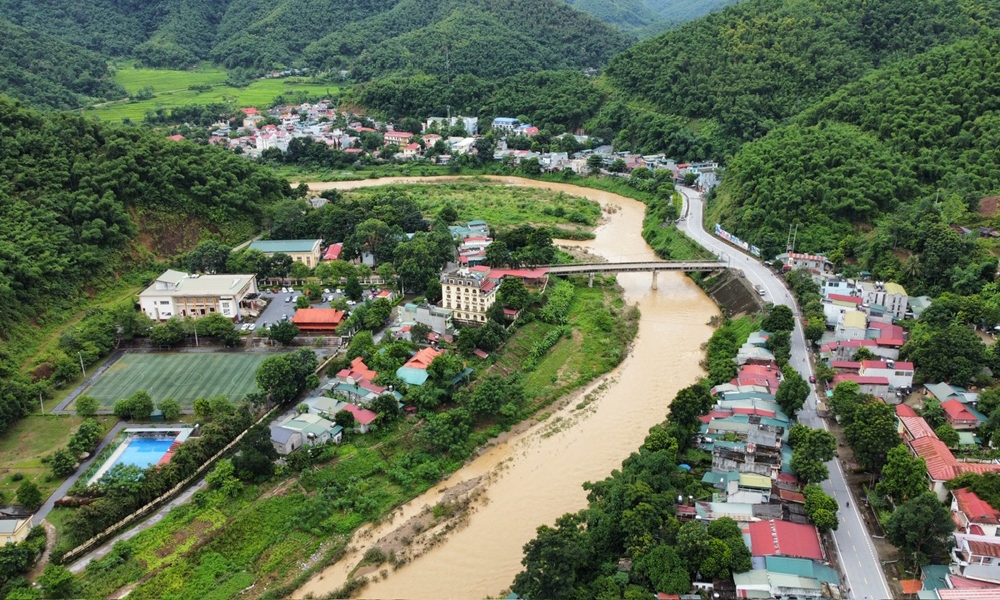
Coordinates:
179 294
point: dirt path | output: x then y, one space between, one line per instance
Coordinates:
50 543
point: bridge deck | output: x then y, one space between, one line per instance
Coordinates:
627 267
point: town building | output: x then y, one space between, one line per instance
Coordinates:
318 320
334 251
811 262
505 124
898 373
781 538
470 124
400 138
435 317
179 294
303 251
853 326
890 295
306 429
414 371
974 515
469 293
875 386
475 228
14 531
961 416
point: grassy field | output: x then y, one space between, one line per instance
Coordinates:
183 377
497 204
172 88
31 438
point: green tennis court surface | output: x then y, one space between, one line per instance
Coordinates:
183 377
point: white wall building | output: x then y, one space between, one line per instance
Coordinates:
179 294
852 326
890 295
899 373
469 293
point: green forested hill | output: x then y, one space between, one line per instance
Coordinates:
83 203
48 72
371 37
646 18
734 75
902 153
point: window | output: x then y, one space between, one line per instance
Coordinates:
164 302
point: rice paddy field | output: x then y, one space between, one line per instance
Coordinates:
184 377
172 88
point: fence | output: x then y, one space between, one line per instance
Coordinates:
152 505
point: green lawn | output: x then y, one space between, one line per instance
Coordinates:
171 89
183 377
497 204
23 446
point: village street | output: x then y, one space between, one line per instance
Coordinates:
860 563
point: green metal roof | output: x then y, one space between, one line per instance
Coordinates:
272 246
801 567
934 577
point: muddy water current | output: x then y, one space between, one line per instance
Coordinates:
534 476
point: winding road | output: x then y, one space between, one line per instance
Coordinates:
858 559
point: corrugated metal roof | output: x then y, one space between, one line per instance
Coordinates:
271 246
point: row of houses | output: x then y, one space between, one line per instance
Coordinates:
746 433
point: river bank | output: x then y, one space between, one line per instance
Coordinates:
533 477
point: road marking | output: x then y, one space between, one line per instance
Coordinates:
855 549
849 534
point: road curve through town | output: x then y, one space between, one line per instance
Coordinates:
858 559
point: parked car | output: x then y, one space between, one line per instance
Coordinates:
252 326
245 327
284 317
284 290
288 299
812 379
326 291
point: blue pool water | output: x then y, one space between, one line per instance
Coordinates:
143 452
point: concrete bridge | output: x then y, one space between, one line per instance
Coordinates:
631 267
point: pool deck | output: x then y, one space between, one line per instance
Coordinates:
178 434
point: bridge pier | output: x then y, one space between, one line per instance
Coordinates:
654 279
590 283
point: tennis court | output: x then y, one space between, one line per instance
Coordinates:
184 377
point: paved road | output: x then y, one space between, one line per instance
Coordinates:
61 490
858 558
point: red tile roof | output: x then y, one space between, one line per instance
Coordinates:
916 427
249 111
423 358
911 586
894 342
176 138
964 583
843 298
318 316
940 461
361 415
845 364
481 354
957 411
881 364
904 410
975 508
769 538
860 379
980 548
333 252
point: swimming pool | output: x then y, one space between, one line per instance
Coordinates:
143 452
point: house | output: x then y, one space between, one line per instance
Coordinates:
762 583
943 392
400 138
176 138
14 531
910 425
304 430
976 550
414 371
853 326
959 416
811 262
942 466
363 418
318 320
385 295
303 251
475 228
411 150
899 374
505 124
973 515
179 294
781 538
358 371
437 318
333 252
469 124
469 293
890 295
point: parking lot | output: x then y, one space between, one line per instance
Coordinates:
280 305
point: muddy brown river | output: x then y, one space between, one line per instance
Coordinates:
533 477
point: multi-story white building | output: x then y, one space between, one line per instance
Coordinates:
505 123
899 373
890 295
178 294
469 293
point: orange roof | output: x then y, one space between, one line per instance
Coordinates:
423 358
358 371
318 316
911 586
903 410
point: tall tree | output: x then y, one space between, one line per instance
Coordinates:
904 476
920 527
872 434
